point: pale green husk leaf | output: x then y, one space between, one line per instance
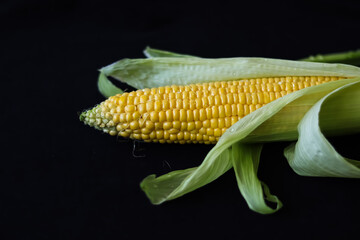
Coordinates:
163 71
313 155
106 87
245 160
349 57
180 182
152 52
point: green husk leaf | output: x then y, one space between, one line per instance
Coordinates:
349 57
245 160
313 155
163 71
106 87
152 52
180 182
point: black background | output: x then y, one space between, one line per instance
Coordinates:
63 180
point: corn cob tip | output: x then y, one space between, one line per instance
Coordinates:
96 118
82 116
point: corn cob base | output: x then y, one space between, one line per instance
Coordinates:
197 113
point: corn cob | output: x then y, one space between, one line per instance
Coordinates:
197 113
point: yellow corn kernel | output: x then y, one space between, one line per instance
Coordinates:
122 100
176 114
211 100
252 108
240 110
229 98
198 103
223 98
134 125
217 132
186 135
149 125
212 139
191 126
179 103
158 125
136 115
208 112
167 125
160 134
173 136
217 100
149 106
192 104
272 96
176 125
162 116
227 110
154 116
182 116
210 131
234 110
141 108
214 123
186 103
116 118
180 135
221 122
206 123
169 115
189 116
202 114
184 126
214 112
166 135
157 105
145 131
198 124
196 114
242 98
128 117
221 110
124 134
202 130
145 136
172 103
234 120
136 136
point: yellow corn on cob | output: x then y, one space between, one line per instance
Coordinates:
197 113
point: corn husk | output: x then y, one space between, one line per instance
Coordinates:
304 117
